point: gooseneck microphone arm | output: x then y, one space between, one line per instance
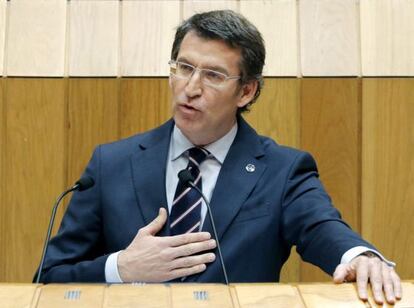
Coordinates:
187 178
83 184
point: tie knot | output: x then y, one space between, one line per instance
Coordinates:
198 154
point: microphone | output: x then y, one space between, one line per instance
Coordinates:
187 179
82 184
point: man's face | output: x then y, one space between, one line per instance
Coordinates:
205 113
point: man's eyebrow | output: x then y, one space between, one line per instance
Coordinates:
218 69
182 59
210 67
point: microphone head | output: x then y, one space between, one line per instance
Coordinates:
84 183
185 177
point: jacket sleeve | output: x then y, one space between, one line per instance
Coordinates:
311 222
77 252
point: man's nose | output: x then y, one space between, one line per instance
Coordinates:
194 84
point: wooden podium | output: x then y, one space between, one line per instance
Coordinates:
189 295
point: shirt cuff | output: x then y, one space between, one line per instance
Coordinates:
111 269
356 251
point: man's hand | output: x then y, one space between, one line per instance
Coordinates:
381 276
155 259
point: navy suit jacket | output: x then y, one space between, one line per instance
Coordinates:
259 215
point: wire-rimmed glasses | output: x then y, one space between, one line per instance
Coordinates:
208 77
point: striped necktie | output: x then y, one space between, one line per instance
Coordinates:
185 214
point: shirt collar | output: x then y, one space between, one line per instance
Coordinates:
219 148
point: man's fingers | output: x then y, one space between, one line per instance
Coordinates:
193 260
375 269
340 273
362 278
187 271
156 225
192 248
397 284
388 283
182 239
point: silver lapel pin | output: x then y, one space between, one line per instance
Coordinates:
250 168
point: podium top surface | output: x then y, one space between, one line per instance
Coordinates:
15 295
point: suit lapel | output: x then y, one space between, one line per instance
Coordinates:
238 176
148 165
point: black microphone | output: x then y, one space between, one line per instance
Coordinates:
82 184
187 179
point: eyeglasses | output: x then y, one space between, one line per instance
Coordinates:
208 77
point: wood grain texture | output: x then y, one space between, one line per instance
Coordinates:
36 38
277 112
148 296
2 33
94 38
329 38
387 37
388 168
144 104
182 295
17 295
148 29
330 131
330 295
267 295
277 22
34 169
190 7
53 295
92 119
3 219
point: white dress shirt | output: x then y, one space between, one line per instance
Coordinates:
210 168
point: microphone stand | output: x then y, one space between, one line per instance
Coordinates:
214 230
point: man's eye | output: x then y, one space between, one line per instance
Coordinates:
213 76
185 68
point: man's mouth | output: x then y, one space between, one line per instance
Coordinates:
188 108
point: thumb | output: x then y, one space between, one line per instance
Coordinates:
156 225
340 274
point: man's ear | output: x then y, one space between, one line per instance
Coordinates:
247 93
170 82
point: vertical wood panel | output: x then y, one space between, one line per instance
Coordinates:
3 219
34 170
388 169
277 22
93 119
2 33
329 37
36 38
387 37
330 131
145 104
276 114
191 7
148 29
93 42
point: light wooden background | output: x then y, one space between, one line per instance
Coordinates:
359 129
133 37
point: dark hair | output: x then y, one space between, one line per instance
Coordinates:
237 32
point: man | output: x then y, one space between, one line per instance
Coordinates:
139 223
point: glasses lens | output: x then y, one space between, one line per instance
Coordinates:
184 70
213 78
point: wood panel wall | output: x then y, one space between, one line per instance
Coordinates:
133 38
360 131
